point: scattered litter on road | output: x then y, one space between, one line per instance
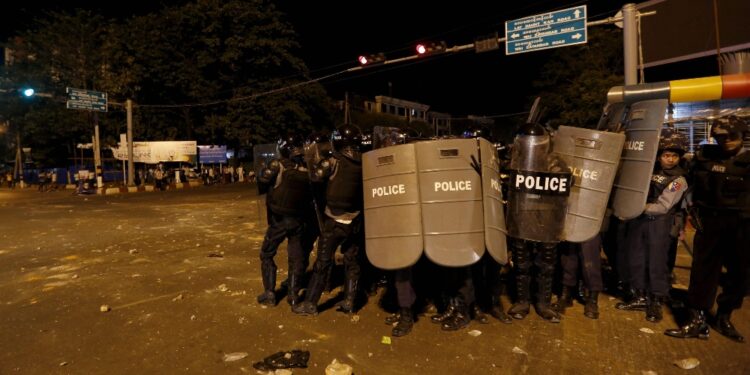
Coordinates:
281 326
216 255
222 287
386 340
355 318
74 276
649 372
475 332
283 360
518 350
369 354
133 251
687 363
192 317
179 297
231 357
104 308
63 364
646 330
338 368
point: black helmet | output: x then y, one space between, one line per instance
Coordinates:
291 145
672 140
317 137
346 136
728 133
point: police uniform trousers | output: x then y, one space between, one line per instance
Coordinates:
648 253
351 239
282 227
404 287
724 241
487 279
587 254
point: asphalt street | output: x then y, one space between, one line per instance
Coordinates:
165 282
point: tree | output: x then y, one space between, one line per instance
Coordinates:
574 83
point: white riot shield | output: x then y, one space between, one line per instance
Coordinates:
642 129
451 196
492 200
592 157
393 217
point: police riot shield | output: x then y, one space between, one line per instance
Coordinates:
642 128
451 195
613 118
592 157
492 201
384 136
538 190
393 217
262 154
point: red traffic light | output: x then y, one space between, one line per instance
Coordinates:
431 48
371 59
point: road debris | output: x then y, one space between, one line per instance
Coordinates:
517 350
338 368
646 330
231 357
386 340
474 332
283 360
687 363
104 308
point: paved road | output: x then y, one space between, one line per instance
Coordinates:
179 271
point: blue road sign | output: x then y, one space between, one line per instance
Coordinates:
548 30
86 99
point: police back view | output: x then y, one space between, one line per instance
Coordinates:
721 213
288 204
342 221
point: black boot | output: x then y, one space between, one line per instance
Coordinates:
350 296
445 315
546 263
521 308
653 312
724 326
479 315
697 327
459 319
591 309
639 302
498 312
293 287
565 300
268 273
314 291
305 308
405 323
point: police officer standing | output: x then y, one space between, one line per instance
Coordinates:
342 222
537 200
721 203
648 236
288 205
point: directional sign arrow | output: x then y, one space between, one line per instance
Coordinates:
577 36
577 13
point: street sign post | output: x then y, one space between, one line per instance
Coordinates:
548 30
86 99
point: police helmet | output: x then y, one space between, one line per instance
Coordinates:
290 146
346 136
672 140
366 144
732 127
316 137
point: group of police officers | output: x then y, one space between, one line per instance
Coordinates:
388 200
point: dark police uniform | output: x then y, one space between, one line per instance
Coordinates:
342 225
288 206
649 240
721 198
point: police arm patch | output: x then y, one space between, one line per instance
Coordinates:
674 186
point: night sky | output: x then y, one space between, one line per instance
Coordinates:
334 33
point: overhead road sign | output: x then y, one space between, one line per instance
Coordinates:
86 99
548 30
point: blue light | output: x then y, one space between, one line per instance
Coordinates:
28 92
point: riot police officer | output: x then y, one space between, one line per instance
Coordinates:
288 204
721 213
537 198
648 237
342 221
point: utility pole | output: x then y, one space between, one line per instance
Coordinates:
131 164
630 43
346 108
97 154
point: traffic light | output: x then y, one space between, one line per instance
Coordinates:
373 59
431 48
